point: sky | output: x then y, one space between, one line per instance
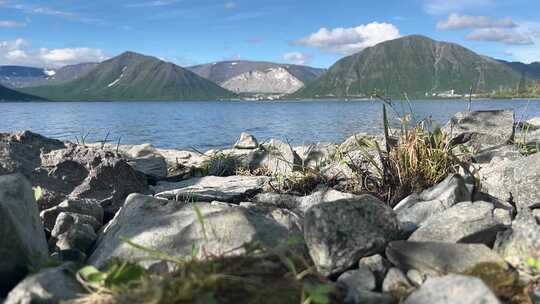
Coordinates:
54 33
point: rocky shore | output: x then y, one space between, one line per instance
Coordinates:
473 237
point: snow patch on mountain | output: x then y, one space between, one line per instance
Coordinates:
272 80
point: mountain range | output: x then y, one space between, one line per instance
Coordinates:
416 65
7 94
132 76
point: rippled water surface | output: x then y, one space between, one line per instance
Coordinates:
213 124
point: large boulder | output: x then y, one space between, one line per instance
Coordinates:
517 181
417 208
465 222
340 233
522 241
453 289
22 238
276 157
481 129
436 258
322 195
181 229
49 286
232 189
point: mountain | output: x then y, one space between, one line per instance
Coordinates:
243 76
132 76
21 76
531 70
416 65
7 94
272 80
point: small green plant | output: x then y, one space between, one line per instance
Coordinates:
118 276
222 164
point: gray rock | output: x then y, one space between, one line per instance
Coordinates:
80 206
50 286
503 216
368 297
518 181
322 195
361 278
397 283
80 236
441 258
340 233
67 220
510 152
276 199
145 158
465 222
453 289
520 242
417 208
416 277
111 182
178 229
337 172
22 238
316 155
246 141
212 188
377 264
481 129
277 157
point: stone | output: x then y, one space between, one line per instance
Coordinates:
338 234
417 208
361 278
438 259
67 220
80 206
277 157
481 130
368 297
246 141
397 284
153 165
465 222
441 258
231 189
110 182
520 242
181 229
377 264
337 172
453 289
316 155
22 238
80 236
287 201
416 277
517 181
322 195
508 152
49 286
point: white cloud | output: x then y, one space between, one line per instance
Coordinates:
500 35
438 7
350 40
11 24
19 52
297 57
459 22
527 53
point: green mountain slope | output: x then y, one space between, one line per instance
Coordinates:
7 94
133 76
531 70
415 65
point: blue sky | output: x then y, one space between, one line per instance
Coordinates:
59 32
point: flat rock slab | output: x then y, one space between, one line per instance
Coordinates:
181 230
453 289
212 188
465 222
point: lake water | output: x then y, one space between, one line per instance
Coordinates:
208 125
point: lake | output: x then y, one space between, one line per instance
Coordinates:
214 124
